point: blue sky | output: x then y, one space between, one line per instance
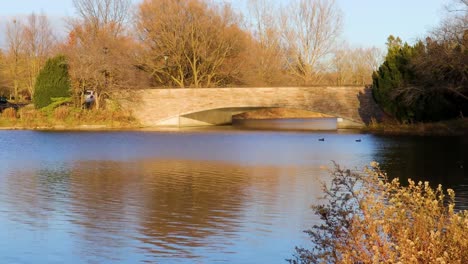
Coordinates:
366 22
370 22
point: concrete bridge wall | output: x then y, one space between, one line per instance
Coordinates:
205 106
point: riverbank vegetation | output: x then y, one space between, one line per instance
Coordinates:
368 218
451 127
65 117
427 81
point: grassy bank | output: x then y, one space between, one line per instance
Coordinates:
65 117
450 127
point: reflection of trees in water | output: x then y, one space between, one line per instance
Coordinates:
36 196
169 206
101 205
186 202
173 209
439 160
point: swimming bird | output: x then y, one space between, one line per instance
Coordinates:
358 140
321 139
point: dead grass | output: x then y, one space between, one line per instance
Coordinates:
279 113
66 117
9 113
450 127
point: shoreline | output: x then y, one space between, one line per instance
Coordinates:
71 128
457 127
450 128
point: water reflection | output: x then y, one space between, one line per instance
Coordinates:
156 210
236 197
439 160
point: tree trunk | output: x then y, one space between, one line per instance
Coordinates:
97 100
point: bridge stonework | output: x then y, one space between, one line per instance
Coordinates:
192 106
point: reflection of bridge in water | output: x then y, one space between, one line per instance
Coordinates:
353 106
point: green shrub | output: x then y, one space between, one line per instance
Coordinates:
52 82
56 102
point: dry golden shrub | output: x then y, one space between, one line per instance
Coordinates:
9 113
102 117
31 117
370 219
61 113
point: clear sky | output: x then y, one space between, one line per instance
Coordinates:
366 22
370 22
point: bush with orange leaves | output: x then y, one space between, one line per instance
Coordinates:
370 219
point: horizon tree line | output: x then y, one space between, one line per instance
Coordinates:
112 45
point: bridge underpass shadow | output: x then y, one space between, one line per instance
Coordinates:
216 117
368 108
224 116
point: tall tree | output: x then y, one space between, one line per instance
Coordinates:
4 90
395 73
266 51
354 66
15 56
39 41
310 31
455 23
99 14
53 81
98 49
190 42
424 82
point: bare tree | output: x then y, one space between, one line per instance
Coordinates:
100 62
266 52
189 42
310 30
441 60
104 13
458 6
4 90
39 42
15 56
354 66
99 52
455 25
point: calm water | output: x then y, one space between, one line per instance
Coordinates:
222 196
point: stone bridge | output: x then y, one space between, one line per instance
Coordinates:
353 106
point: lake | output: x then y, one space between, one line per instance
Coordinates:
190 196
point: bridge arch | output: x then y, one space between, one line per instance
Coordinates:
224 116
214 106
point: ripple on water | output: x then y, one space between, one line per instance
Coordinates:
239 197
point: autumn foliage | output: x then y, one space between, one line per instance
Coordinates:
368 218
190 43
112 45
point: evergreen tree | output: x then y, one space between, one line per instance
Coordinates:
52 82
395 73
424 82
